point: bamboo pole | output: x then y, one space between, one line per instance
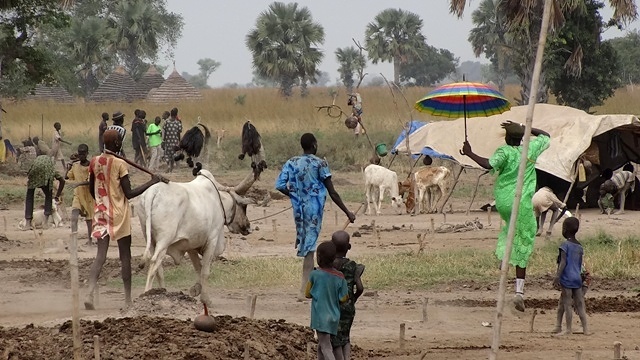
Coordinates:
75 296
495 345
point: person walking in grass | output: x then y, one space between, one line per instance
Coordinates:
306 180
83 203
569 279
138 139
172 132
118 126
505 161
56 151
352 271
101 129
327 289
155 139
110 186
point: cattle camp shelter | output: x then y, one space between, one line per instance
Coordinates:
151 79
606 141
117 86
174 88
54 93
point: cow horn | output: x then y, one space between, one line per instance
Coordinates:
245 184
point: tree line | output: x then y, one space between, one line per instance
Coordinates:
77 46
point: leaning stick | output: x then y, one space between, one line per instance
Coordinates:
144 156
402 329
75 315
455 182
141 168
475 191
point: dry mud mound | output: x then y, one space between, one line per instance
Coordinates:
594 305
161 338
160 302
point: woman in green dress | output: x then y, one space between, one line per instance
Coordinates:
505 161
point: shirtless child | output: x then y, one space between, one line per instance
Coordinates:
568 278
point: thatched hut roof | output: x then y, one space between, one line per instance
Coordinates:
51 93
118 86
150 80
175 88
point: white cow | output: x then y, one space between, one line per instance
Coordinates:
377 180
178 218
429 182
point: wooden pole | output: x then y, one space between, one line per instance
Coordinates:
433 226
335 215
617 352
275 226
425 302
533 319
96 347
579 354
375 299
41 126
252 311
475 191
546 15
247 354
346 223
75 296
402 329
4 218
455 182
489 215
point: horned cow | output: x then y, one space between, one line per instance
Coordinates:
429 183
377 180
178 218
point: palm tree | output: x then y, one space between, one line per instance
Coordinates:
523 19
394 36
350 60
284 45
489 37
90 43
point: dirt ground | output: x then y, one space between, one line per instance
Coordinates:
35 301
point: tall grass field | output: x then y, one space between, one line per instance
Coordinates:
280 121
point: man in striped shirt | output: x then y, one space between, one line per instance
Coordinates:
620 183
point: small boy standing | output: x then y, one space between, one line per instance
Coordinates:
352 272
327 289
569 277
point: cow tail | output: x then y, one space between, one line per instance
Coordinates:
148 203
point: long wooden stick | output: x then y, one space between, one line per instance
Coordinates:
533 95
453 187
141 168
475 191
75 296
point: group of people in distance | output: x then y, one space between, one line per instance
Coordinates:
151 142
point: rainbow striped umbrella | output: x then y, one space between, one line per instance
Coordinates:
463 99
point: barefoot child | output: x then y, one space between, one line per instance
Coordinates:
352 272
568 278
586 282
327 289
83 203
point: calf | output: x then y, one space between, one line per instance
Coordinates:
38 218
377 180
429 182
544 200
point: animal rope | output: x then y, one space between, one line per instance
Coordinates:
272 215
224 213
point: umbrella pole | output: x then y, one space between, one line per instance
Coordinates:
464 108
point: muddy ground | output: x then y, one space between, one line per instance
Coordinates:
35 301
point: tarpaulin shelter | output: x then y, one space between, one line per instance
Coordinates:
607 141
426 150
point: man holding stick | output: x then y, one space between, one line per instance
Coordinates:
306 180
111 188
505 161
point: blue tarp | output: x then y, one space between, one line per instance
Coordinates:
415 125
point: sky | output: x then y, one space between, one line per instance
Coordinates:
217 29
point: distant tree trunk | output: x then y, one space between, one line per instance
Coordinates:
304 88
502 71
286 86
543 89
396 70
